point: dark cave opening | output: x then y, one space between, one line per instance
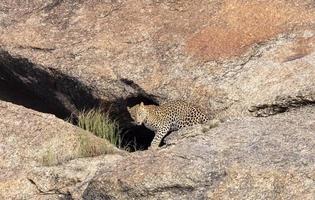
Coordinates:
135 137
18 94
50 91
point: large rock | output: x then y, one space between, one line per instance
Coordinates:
29 139
250 158
228 56
233 57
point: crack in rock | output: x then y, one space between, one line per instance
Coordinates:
66 195
282 104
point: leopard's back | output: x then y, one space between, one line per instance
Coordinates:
167 117
175 115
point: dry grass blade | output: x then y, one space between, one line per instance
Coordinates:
100 124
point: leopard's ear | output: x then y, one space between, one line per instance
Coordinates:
128 108
141 104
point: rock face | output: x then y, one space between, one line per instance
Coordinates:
29 139
229 56
250 158
236 58
266 158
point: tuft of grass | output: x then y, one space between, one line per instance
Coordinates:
132 146
49 158
88 147
210 124
100 124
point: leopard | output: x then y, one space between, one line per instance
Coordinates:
166 118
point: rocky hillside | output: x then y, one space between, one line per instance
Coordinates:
248 158
250 64
29 139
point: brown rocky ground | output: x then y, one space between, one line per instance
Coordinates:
250 158
29 139
236 58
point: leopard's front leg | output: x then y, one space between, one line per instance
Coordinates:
159 135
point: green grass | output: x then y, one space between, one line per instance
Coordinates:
99 123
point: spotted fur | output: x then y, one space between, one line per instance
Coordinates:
167 117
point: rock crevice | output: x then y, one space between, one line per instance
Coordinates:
64 95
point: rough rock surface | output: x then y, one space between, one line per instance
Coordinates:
236 58
230 56
29 139
69 180
250 158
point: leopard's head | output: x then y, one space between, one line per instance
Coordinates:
138 113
